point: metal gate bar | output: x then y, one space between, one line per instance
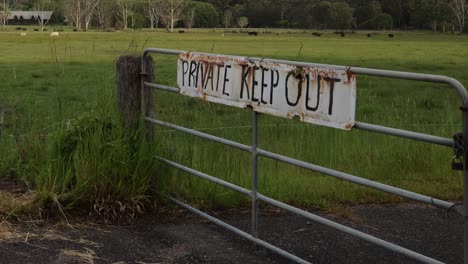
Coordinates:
239 232
361 181
405 134
201 134
305 165
255 151
308 215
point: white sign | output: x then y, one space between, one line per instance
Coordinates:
316 95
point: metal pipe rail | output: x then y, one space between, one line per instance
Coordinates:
256 152
239 232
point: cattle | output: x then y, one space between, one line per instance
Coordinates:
22 34
252 33
54 34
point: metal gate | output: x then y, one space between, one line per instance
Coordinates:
459 141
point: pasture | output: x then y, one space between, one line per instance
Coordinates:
47 84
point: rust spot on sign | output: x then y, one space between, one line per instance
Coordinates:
351 77
349 126
327 74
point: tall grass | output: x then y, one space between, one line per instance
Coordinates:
91 163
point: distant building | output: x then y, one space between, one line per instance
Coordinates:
28 17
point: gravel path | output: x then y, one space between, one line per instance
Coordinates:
189 239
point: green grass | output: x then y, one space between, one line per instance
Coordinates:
46 84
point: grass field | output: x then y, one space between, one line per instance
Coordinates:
49 85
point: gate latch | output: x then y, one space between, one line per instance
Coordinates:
458 149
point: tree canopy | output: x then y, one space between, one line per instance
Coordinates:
437 15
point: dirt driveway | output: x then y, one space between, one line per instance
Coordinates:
189 239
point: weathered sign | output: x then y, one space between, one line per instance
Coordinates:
316 95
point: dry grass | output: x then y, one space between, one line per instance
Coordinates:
9 233
12 203
87 256
55 235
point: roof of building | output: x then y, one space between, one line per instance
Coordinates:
30 14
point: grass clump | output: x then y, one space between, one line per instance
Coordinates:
91 164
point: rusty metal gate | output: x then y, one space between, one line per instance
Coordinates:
344 121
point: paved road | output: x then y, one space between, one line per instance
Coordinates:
188 239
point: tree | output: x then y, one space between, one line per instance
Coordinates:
189 18
403 12
221 5
324 14
344 15
153 13
89 6
460 11
171 11
243 22
103 13
299 14
227 18
206 14
283 4
74 12
42 7
5 10
432 14
383 21
261 13
367 11
124 8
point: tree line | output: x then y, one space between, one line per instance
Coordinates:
437 15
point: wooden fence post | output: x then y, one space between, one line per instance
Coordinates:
130 93
148 97
2 110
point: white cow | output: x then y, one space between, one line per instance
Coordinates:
23 34
54 34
